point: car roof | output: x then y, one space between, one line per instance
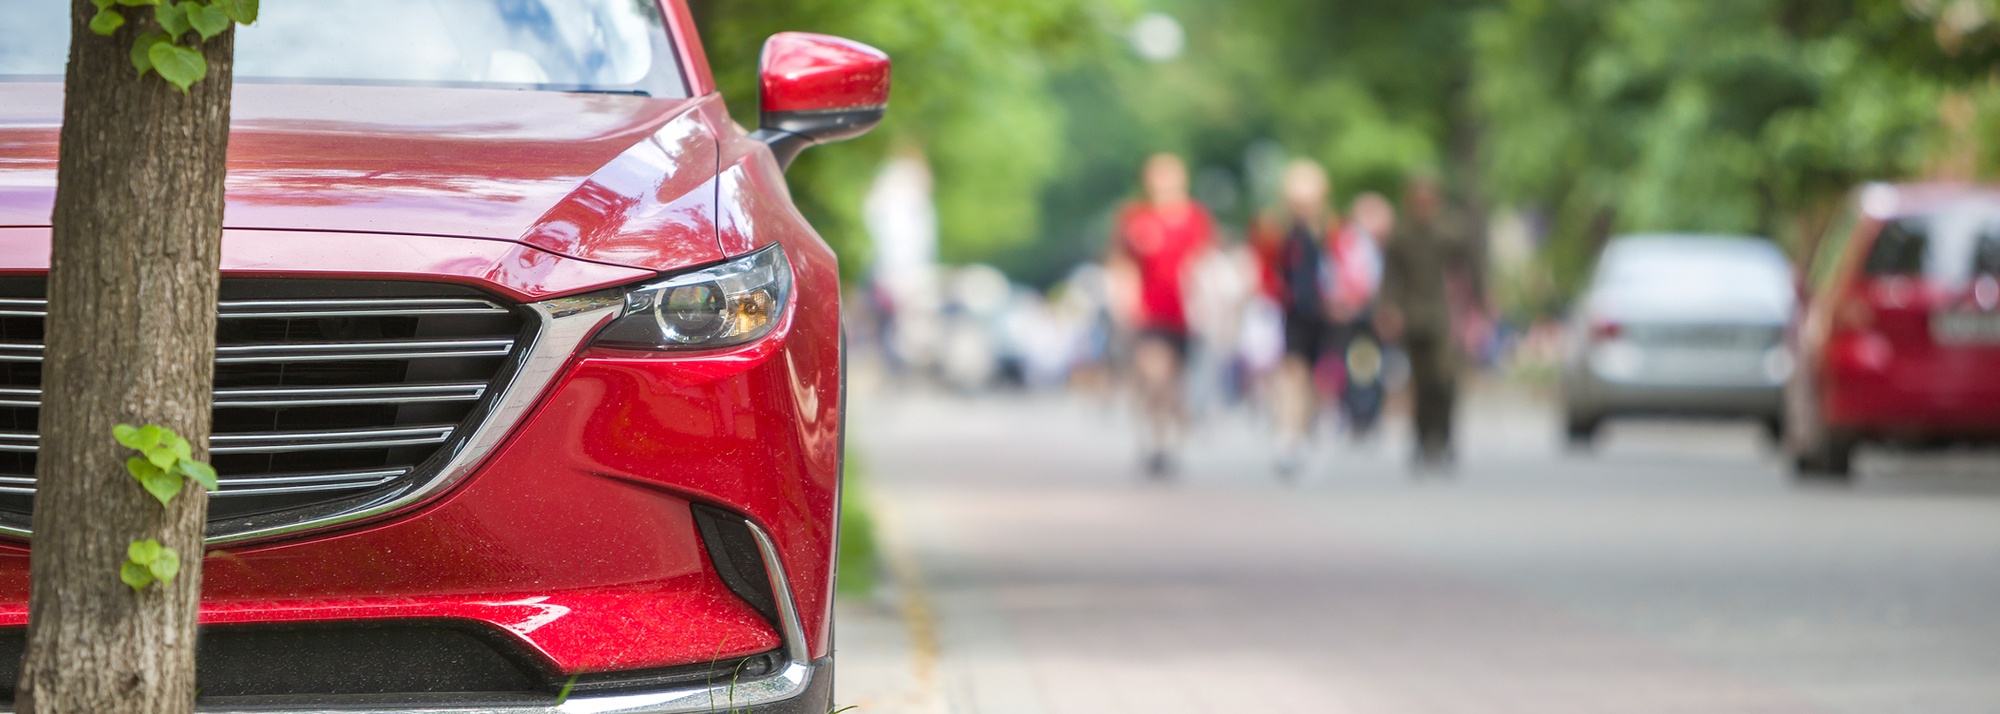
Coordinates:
1686 243
1889 201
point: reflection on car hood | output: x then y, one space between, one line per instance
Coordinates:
568 173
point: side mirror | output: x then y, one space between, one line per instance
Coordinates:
818 89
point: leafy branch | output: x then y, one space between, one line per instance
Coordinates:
165 460
161 51
147 561
163 467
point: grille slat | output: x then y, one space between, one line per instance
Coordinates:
327 392
254 309
332 396
230 487
322 352
289 441
306 396
382 350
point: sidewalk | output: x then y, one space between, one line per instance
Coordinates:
1032 570
887 644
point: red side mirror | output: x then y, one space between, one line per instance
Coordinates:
819 89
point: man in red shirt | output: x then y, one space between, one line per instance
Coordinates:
1158 241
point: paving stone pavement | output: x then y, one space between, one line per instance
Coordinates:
1677 570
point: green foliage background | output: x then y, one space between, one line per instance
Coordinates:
1596 116
970 89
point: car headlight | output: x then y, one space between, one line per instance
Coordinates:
722 306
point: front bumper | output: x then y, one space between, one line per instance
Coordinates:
799 688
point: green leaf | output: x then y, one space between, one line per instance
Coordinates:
142 60
143 551
201 473
181 448
106 22
126 433
165 565
149 435
162 484
173 18
243 11
180 66
137 3
208 19
147 561
102 4
136 575
140 468
162 457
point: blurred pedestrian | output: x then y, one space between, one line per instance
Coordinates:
1221 283
1300 270
1159 238
1355 257
1428 248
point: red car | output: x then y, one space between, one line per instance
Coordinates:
530 374
1900 341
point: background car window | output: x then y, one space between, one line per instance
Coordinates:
1697 271
1986 254
1900 249
1947 248
577 45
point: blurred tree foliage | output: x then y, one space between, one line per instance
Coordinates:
1372 88
970 90
1751 116
1591 116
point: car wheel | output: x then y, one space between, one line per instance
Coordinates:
1820 453
1774 431
1580 432
1831 460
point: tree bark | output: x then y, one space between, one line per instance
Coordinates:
130 338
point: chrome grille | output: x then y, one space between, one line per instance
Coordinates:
329 395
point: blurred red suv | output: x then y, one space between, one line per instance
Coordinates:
1900 341
528 395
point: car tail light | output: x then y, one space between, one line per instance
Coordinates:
1857 344
1602 330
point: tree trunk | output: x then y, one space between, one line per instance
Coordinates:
130 338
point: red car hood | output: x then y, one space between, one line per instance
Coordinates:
608 178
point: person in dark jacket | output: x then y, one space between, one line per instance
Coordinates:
1428 249
1303 281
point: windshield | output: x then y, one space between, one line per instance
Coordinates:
563 45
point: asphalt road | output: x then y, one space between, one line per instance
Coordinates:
1675 570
